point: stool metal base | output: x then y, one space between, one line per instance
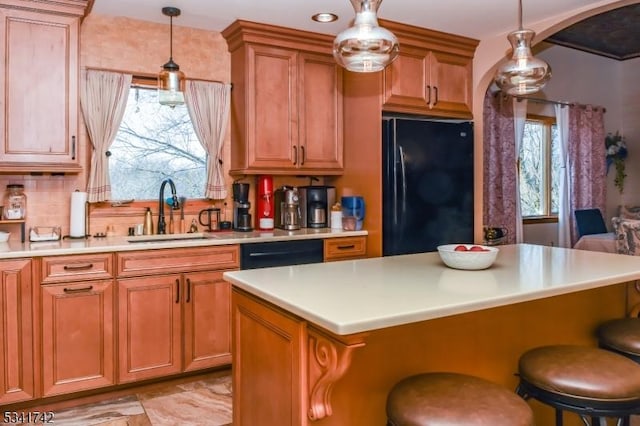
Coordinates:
585 407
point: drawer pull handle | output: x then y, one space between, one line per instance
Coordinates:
77 290
188 290
177 291
350 246
79 267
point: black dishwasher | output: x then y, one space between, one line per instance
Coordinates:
280 253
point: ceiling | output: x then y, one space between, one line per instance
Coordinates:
613 34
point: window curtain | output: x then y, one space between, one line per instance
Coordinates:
587 160
564 210
103 99
519 120
499 159
208 104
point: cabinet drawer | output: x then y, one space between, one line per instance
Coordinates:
57 269
149 262
344 248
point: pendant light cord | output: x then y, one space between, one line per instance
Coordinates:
520 15
171 38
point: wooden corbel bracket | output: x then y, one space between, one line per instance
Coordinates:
329 359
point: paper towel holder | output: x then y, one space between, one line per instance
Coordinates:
85 233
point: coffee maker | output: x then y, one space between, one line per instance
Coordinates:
287 206
315 205
241 207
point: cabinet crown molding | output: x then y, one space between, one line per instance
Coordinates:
240 32
431 39
61 7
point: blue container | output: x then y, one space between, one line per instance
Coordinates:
353 206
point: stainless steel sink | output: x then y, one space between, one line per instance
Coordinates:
167 237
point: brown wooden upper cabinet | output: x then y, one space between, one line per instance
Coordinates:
39 44
432 74
286 102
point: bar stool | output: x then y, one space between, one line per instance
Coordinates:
589 381
437 399
621 336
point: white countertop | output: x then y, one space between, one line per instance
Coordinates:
362 295
14 250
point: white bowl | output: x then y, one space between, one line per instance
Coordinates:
4 236
468 259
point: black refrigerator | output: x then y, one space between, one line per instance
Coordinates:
427 184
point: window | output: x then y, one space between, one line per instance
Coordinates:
155 142
539 166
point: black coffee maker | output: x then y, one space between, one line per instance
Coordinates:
241 207
315 205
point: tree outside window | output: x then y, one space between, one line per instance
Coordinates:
539 168
155 142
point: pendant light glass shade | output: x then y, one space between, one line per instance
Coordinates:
171 79
171 85
523 74
366 46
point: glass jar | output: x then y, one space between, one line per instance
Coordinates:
15 202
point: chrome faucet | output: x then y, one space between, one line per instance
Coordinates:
175 204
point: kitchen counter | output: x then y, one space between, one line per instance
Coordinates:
14 250
398 290
341 334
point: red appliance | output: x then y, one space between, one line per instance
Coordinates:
264 203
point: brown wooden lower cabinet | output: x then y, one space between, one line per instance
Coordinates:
345 248
77 336
16 331
165 319
173 313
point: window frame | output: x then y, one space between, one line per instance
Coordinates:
547 216
113 209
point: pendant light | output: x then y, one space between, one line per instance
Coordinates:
523 74
366 46
171 79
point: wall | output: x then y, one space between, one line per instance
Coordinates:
142 47
492 51
124 45
605 82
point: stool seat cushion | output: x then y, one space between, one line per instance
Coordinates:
439 399
581 371
621 334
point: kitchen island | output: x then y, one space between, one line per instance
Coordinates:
323 344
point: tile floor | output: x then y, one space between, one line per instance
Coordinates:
203 402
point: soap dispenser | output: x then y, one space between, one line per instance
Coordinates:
148 223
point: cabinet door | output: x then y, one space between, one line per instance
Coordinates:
207 322
320 113
77 336
40 116
148 327
272 122
451 78
429 82
16 332
406 81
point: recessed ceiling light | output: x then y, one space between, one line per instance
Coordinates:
325 17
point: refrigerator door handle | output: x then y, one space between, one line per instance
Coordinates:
403 183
